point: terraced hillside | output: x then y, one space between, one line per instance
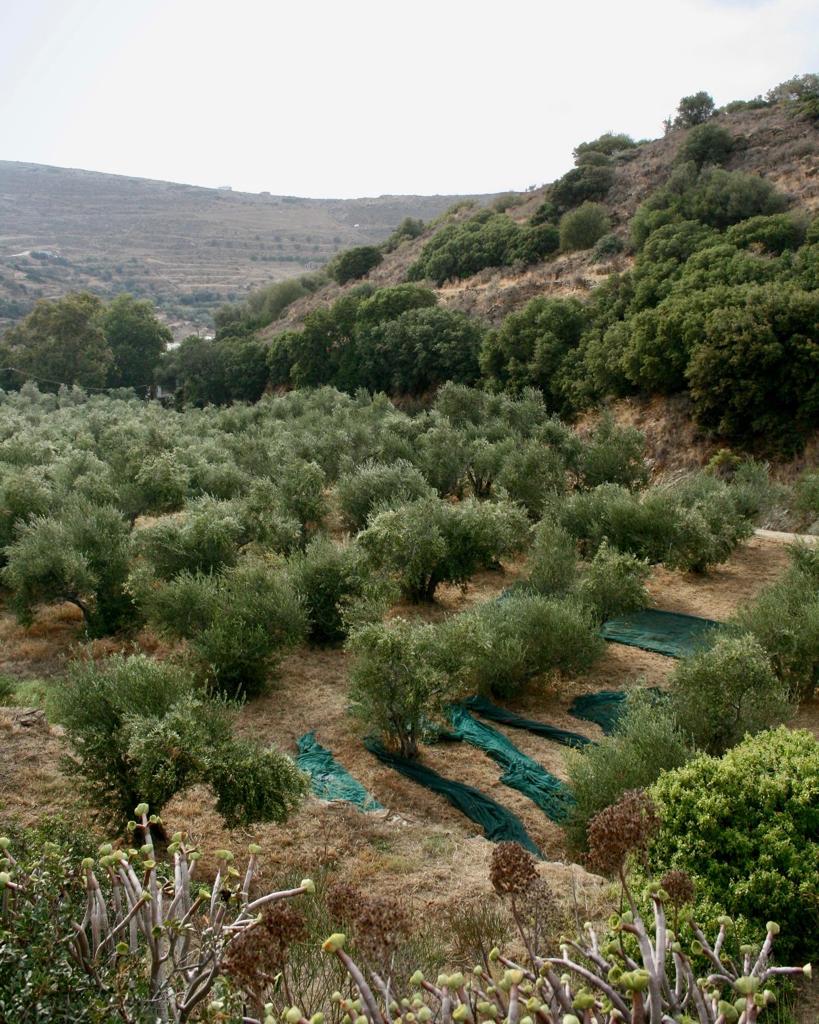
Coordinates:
188 249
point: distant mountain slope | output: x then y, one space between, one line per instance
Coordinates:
187 248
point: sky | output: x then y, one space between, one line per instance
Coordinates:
366 98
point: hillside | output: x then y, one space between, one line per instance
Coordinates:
189 249
769 142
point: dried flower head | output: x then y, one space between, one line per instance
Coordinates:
257 955
512 870
623 828
378 924
679 886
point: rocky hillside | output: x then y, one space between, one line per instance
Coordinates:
769 142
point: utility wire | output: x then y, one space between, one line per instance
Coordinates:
65 384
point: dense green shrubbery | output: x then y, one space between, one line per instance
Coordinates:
237 621
646 742
488 239
588 183
375 485
727 691
706 144
613 583
784 619
79 555
583 227
745 828
352 264
429 541
693 110
500 645
395 686
144 729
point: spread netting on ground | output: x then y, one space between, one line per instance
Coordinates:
670 633
519 771
498 824
328 779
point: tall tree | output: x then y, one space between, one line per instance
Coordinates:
62 341
136 338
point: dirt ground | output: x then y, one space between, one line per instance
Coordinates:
420 847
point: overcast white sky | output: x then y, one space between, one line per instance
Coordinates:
330 98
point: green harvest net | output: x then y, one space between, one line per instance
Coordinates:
520 771
328 779
605 707
486 709
497 823
664 632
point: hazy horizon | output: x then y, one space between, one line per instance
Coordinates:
331 102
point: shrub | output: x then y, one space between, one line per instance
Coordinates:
206 537
327 577
422 348
589 183
645 743
237 622
614 455
784 619
352 264
606 247
613 583
806 495
140 728
531 474
726 691
376 485
581 228
706 144
501 645
608 144
552 559
776 233
531 344
745 828
428 542
693 110
753 372
79 555
394 686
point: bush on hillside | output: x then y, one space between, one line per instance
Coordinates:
583 227
693 110
613 454
613 583
238 622
645 743
552 559
328 577
608 144
143 729
776 233
78 555
529 347
706 144
377 485
589 183
784 619
501 645
607 246
352 264
395 688
488 239
753 374
429 541
745 828
720 694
